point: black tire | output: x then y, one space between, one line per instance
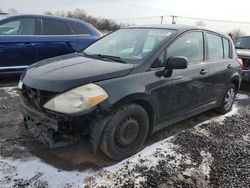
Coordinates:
226 105
126 132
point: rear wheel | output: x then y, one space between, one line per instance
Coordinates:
228 100
126 132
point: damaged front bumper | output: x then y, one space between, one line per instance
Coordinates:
50 129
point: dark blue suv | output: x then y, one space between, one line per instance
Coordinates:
25 39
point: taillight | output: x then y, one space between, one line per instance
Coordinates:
239 60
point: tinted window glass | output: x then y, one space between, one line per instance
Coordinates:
215 48
78 28
189 45
226 48
55 27
242 43
24 26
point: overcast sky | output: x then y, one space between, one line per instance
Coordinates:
120 9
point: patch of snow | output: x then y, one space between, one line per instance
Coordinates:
220 118
12 91
241 96
246 138
201 131
151 156
202 172
145 153
13 170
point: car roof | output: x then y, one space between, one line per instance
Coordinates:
178 27
45 16
165 26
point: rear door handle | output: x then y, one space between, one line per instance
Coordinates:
229 66
203 72
68 44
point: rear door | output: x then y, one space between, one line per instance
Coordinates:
18 43
219 59
185 89
55 39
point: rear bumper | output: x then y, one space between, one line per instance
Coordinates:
246 75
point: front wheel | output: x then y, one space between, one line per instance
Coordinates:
125 132
228 100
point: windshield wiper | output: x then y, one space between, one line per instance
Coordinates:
109 57
114 58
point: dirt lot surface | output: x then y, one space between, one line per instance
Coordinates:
207 150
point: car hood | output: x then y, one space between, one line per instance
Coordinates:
65 72
243 52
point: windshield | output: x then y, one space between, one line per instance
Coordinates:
242 43
129 44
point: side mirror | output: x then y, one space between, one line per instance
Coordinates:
177 62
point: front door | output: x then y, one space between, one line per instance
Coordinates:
17 46
185 89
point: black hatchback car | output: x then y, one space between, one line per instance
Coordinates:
128 85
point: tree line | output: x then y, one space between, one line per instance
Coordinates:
100 23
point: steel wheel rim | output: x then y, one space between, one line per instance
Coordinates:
229 99
127 133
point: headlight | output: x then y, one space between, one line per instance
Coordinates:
78 99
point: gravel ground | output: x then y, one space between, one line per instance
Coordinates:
204 151
212 154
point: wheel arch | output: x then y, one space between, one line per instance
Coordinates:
236 81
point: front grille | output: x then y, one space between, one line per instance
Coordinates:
246 63
36 98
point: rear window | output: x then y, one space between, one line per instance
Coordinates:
79 29
55 27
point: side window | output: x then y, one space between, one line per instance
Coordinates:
24 26
226 48
55 27
79 29
189 45
215 47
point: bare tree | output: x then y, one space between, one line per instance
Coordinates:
99 23
236 33
12 11
200 23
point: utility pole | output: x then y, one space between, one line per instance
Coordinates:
162 19
173 19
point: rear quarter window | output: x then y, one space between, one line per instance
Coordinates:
79 29
55 27
226 45
215 47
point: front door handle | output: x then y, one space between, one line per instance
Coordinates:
229 66
203 72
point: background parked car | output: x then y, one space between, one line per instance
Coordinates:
242 45
25 39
